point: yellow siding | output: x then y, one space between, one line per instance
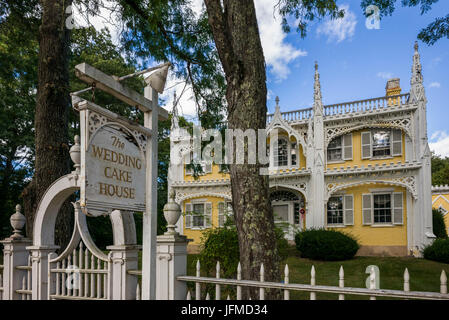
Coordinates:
215 174
443 201
195 235
368 235
357 154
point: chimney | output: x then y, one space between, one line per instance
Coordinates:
393 87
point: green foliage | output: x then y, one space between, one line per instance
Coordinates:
305 11
282 243
435 31
439 227
440 170
221 244
437 251
322 244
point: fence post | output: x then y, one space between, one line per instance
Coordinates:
312 283
123 256
171 256
122 286
443 282
14 254
341 282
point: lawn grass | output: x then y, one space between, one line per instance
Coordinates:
424 274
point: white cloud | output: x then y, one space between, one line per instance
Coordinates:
106 18
278 53
439 143
339 29
385 75
435 85
186 105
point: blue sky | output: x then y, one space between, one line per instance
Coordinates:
355 63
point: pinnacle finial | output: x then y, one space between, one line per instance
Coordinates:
17 221
416 46
277 101
316 65
172 195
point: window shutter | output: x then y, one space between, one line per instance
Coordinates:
221 215
367 208
348 217
347 146
188 215
398 208
397 143
366 145
208 215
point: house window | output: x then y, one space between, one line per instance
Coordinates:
294 154
281 153
296 213
381 143
334 150
224 213
335 210
382 208
198 215
280 212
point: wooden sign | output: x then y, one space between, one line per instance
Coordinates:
113 170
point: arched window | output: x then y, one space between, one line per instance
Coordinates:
281 153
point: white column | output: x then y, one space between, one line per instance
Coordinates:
123 285
39 274
171 262
14 254
150 215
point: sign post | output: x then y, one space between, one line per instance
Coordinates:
150 215
119 161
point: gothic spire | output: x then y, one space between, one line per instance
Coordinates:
277 109
175 117
417 88
317 98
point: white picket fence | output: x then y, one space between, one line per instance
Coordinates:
312 288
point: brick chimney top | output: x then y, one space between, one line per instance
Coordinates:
393 87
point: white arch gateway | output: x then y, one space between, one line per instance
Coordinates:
115 174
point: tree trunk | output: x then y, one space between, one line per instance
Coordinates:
51 116
235 30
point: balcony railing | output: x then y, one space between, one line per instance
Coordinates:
367 105
296 115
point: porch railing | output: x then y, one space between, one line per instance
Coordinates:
312 288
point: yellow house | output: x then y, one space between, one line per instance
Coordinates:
362 167
440 201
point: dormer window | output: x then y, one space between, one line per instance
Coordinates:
281 153
340 148
293 154
334 150
381 143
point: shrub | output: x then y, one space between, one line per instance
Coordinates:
439 227
221 244
437 251
321 244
